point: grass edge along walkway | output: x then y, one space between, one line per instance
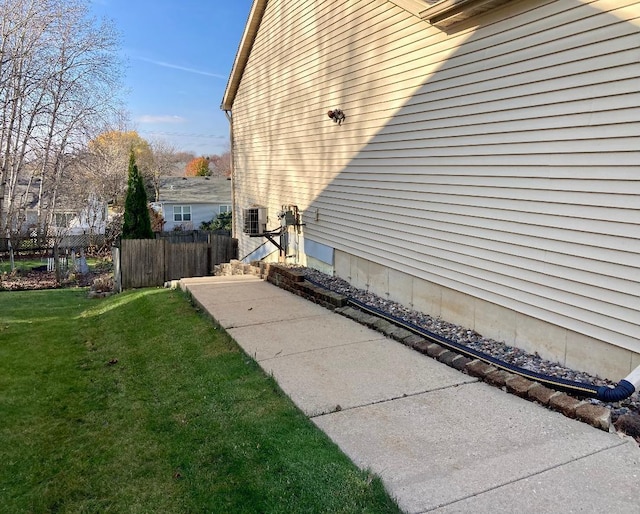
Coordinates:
139 403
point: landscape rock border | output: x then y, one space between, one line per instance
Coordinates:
293 280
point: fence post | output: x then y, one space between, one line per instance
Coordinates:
117 269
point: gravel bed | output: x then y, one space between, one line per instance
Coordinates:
470 338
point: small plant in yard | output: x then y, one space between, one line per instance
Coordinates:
102 284
138 403
221 222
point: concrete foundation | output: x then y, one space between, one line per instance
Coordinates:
550 341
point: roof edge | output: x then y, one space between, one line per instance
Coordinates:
242 56
415 7
447 12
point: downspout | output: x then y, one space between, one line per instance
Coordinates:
234 218
625 388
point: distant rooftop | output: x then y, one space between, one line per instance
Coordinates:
195 190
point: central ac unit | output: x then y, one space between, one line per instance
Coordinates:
255 221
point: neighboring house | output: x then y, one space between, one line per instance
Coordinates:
73 222
486 171
91 219
186 202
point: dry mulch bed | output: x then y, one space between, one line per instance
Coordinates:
32 280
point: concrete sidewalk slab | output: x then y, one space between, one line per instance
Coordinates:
281 338
229 279
600 482
233 289
452 444
242 302
343 377
444 446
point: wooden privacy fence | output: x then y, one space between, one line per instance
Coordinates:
190 236
152 262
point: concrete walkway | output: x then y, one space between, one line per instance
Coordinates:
440 440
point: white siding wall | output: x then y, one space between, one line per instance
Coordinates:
500 160
199 213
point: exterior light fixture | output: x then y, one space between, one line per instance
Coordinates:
337 116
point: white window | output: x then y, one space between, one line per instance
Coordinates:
224 209
181 213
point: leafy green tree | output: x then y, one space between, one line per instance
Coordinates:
137 222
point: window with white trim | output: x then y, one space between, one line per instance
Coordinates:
224 209
181 213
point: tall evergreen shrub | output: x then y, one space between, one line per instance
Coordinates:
137 222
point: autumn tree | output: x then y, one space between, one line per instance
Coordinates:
137 222
198 167
107 158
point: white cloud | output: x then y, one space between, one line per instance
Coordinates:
181 68
149 118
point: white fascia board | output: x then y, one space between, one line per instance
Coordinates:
242 56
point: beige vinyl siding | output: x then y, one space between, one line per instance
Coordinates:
500 160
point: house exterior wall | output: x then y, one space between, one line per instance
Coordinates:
494 163
200 212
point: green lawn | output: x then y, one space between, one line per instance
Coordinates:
138 403
20 264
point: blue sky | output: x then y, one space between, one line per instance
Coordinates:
179 54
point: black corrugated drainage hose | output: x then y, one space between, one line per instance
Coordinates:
625 388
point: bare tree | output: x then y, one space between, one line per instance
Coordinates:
21 94
164 160
221 164
83 75
184 157
58 75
